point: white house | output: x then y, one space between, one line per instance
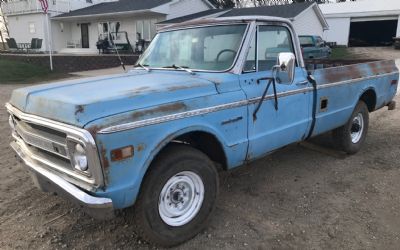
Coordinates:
26 19
307 17
362 23
77 25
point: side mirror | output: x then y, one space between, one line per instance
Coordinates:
286 67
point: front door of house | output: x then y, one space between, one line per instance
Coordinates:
85 35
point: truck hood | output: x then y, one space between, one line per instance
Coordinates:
79 102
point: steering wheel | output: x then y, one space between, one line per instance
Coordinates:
224 51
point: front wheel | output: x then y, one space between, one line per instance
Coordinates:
178 196
351 136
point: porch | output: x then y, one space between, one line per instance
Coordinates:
91 35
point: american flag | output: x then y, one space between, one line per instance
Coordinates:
45 5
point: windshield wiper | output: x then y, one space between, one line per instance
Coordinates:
142 66
185 68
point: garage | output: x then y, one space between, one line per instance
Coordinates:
372 33
362 23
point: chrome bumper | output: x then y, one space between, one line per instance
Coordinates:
97 207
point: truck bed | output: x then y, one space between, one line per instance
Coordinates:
340 84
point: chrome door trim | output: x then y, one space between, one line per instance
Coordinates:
196 112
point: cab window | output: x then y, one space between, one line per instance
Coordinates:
272 40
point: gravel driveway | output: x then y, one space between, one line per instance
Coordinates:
296 198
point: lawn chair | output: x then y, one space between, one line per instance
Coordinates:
36 44
12 44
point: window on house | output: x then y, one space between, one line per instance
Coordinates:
146 29
32 28
107 29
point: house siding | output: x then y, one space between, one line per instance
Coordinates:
308 24
60 35
19 28
339 30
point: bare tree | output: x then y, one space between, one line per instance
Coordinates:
3 20
3 27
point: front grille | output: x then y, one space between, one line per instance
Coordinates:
53 143
50 144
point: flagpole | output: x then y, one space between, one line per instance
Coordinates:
49 40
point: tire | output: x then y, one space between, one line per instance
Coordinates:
177 171
351 136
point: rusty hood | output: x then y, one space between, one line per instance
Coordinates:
79 102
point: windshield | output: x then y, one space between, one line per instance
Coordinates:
204 48
306 41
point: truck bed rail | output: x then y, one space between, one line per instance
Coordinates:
313 64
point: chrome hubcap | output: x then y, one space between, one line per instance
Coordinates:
181 198
357 128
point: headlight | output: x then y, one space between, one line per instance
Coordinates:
80 158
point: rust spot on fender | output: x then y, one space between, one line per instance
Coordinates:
137 91
103 155
93 130
79 109
184 86
164 109
141 147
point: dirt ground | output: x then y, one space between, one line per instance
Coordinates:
296 198
387 53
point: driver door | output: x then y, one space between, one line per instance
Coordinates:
271 129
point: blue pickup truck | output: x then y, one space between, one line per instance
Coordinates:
314 47
205 95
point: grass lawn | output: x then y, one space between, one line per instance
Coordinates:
341 53
12 72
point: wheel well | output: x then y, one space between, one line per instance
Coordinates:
369 98
206 143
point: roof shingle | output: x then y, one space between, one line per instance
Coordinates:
286 11
193 16
114 7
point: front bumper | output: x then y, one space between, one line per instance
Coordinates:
97 207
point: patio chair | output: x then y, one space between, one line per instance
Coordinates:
12 44
35 45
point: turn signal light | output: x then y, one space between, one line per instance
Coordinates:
120 154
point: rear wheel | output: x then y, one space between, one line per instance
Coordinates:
351 136
178 196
